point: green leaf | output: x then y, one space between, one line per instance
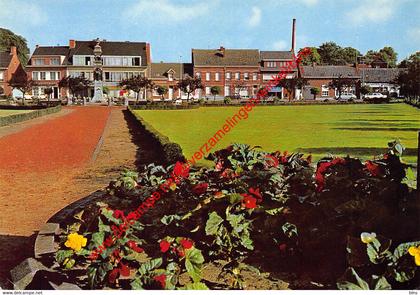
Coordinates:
274 211
102 226
60 255
109 217
402 249
150 265
98 238
247 242
168 219
193 263
382 283
91 273
289 229
235 198
352 281
136 284
194 286
213 223
69 263
78 216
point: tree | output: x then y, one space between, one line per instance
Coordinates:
215 90
310 59
365 89
137 84
162 90
292 84
76 85
330 53
8 39
341 83
315 91
189 85
386 55
21 82
48 91
409 79
349 55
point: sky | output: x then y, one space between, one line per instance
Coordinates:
173 27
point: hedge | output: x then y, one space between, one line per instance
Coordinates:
172 152
27 116
164 107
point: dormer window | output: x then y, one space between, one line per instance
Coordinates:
170 76
55 61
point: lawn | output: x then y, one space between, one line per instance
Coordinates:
358 130
4 113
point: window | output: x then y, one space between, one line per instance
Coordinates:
170 76
39 62
43 75
237 76
324 90
198 75
35 75
53 76
36 91
217 76
270 64
55 61
208 90
136 61
1 76
228 76
246 76
87 60
207 76
107 77
227 90
255 76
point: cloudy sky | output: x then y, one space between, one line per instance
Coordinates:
173 27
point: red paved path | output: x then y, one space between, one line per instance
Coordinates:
67 141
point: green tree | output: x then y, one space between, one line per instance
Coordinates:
312 58
409 80
137 84
162 90
76 85
341 83
315 91
8 39
349 55
48 91
365 89
215 90
189 85
330 53
386 55
20 81
292 84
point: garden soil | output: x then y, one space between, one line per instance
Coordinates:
51 162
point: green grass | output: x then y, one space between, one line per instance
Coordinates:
4 113
357 130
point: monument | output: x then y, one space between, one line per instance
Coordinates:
97 73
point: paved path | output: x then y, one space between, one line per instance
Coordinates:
48 165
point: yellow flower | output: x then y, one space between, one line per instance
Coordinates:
172 187
415 251
75 241
367 237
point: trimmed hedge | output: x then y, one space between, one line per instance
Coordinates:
164 107
172 152
27 116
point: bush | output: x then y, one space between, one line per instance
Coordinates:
227 100
38 112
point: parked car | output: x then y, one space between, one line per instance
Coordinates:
374 95
346 97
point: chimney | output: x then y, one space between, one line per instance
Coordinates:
148 54
72 44
13 50
294 35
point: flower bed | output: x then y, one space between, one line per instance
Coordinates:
255 218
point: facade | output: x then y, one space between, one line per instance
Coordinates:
381 79
168 75
273 63
9 66
236 72
321 76
120 60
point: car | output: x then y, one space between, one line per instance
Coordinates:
374 95
346 97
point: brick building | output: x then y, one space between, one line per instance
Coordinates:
168 75
49 64
9 66
235 71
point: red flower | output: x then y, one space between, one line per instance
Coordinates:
181 170
271 161
373 168
161 279
133 245
249 202
180 252
229 173
282 247
186 243
118 214
322 169
200 188
113 275
164 246
256 193
124 270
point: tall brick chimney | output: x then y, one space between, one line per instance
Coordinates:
294 35
72 43
13 50
148 54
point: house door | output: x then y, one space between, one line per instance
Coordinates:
55 92
171 93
